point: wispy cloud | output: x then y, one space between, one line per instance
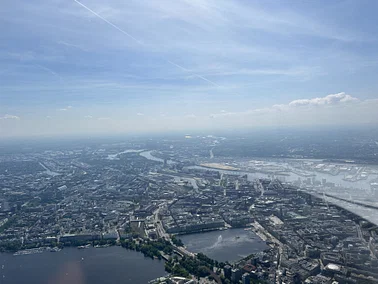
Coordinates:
48 70
71 45
65 108
297 71
108 22
28 56
237 60
329 100
214 14
193 74
141 43
9 117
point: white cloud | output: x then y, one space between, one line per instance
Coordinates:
65 108
103 118
140 114
88 116
191 115
10 117
327 100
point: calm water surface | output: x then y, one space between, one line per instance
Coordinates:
86 266
230 245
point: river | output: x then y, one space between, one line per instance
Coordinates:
290 177
358 186
85 266
148 155
116 156
231 245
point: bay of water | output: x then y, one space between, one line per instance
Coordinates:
228 245
85 266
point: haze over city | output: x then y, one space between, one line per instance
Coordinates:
95 67
189 141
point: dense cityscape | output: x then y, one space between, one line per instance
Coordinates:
143 194
188 142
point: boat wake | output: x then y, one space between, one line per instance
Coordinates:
217 243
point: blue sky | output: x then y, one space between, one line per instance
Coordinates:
70 67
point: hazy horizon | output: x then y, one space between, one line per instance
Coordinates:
328 132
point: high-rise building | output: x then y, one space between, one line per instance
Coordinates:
227 271
235 275
246 279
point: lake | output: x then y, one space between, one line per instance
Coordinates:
231 245
85 266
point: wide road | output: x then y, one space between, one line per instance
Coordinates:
163 234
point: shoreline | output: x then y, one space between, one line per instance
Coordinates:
265 235
29 251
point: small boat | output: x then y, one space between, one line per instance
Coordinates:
237 237
55 249
84 247
102 246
